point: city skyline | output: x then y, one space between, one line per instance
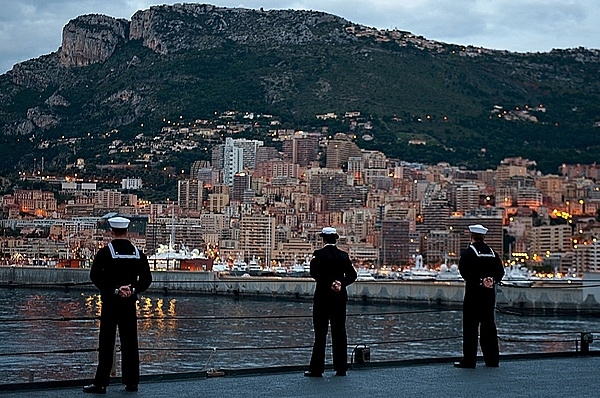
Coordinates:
388 212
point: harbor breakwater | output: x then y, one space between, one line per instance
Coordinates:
580 298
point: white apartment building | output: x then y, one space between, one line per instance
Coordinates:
233 161
131 183
249 155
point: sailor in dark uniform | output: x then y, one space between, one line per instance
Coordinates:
482 269
120 271
333 271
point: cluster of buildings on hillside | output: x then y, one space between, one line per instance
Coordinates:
255 201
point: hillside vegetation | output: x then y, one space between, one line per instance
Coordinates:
464 105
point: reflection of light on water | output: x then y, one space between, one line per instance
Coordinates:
93 304
158 327
172 307
159 308
156 320
183 344
98 304
144 306
89 303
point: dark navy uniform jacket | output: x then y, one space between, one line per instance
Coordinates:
328 265
118 264
477 262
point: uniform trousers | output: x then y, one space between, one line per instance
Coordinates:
479 316
324 313
121 313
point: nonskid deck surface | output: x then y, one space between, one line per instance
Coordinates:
524 376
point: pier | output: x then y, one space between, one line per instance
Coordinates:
576 298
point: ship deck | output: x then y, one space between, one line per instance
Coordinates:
532 375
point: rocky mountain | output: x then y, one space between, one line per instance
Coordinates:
421 100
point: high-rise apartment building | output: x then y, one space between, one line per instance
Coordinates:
266 153
230 159
552 187
434 214
394 245
208 176
257 237
487 176
198 165
250 147
511 167
108 199
276 168
333 186
467 197
491 220
339 149
217 202
189 194
529 197
302 148
241 182
587 258
131 183
548 239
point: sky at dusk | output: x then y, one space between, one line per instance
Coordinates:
30 28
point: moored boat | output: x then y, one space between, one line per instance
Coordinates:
240 267
364 274
419 272
300 270
449 274
254 268
517 276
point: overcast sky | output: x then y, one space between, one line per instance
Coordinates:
30 28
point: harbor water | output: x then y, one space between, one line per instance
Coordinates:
52 334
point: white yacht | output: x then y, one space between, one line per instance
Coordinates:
220 266
364 274
449 274
280 270
167 257
419 272
254 268
301 269
517 276
240 267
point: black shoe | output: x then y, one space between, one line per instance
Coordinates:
308 373
340 373
94 389
131 387
463 365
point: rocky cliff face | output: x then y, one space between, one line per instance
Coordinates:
90 39
199 26
197 59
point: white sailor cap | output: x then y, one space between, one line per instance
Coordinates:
328 231
478 229
118 222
